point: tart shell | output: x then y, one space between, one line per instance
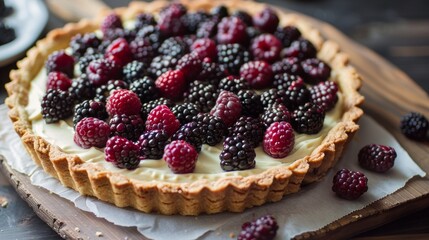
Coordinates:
233 194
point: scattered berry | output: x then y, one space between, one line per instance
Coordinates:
378 158
58 80
279 139
129 127
231 30
181 157
161 118
171 84
123 101
266 47
315 71
89 108
170 24
56 105
122 152
227 108
152 144
91 132
349 184
191 133
414 125
237 154
257 73
266 20
263 228
284 81
60 61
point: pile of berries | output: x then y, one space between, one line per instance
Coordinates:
183 79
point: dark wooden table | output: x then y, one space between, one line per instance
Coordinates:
397 30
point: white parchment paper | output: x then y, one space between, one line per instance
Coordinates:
310 209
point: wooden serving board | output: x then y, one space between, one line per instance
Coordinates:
389 94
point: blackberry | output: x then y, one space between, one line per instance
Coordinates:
211 72
82 89
233 84
148 106
152 33
161 64
190 132
414 125
103 92
301 49
112 34
203 95
185 112
272 96
237 154
142 50
212 127
144 19
192 20
244 16
152 144
263 228
376 157
250 102
173 46
80 44
275 113
349 184
122 152
308 119
133 71
250 128
60 61
315 70
56 105
127 126
283 81
296 95
291 65
85 60
252 33
324 94
207 29
232 56
287 35
145 88
89 108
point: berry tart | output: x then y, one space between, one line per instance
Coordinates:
186 108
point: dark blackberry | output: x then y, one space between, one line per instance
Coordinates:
349 184
190 132
56 105
263 228
237 154
211 72
144 19
86 59
301 49
324 94
203 95
152 33
207 29
133 71
376 157
291 65
112 34
80 44
414 125
122 153
127 126
250 102
233 84
275 113
232 56
142 50
308 119
82 89
148 106
103 92
287 35
174 46
272 96
213 128
162 64
192 20
244 16
250 128
185 112
315 71
296 95
145 88
152 144
283 81
89 108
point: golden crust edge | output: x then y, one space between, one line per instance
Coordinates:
230 194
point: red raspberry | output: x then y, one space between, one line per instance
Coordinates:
119 51
123 101
315 71
378 158
266 21
91 132
162 118
169 23
58 80
122 152
266 47
324 94
231 30
180 156
111 22
349 184
205 47
190 65
59 61
171 84
257 73
100 71
279 139
227 108
263 228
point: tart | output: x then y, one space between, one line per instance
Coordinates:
318 115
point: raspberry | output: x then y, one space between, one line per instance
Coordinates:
266 47
171 26
110 22
161 118
279 139
192 20
145 89
233 84
376 157
231 30
205 47
250 102
191 133
301 49
81 88
324 94
123 101
308 119
122 152
56 105
296 94
133 71
257 73
104 91
284 81
290 65
173 46
232 56
148 106
58 80
272 96
213 128
287 35
144 19
152 144
275 113
161 64
207 29
119 51
181 157
81 44
59 61
414 125
171 84
102 70
266 20
142 50
85 60
227 108
203 95
349 184
244 16
190 65
89 108
249 128
129 127
237 154
263 228
211 72
91 132
185 112
315 71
